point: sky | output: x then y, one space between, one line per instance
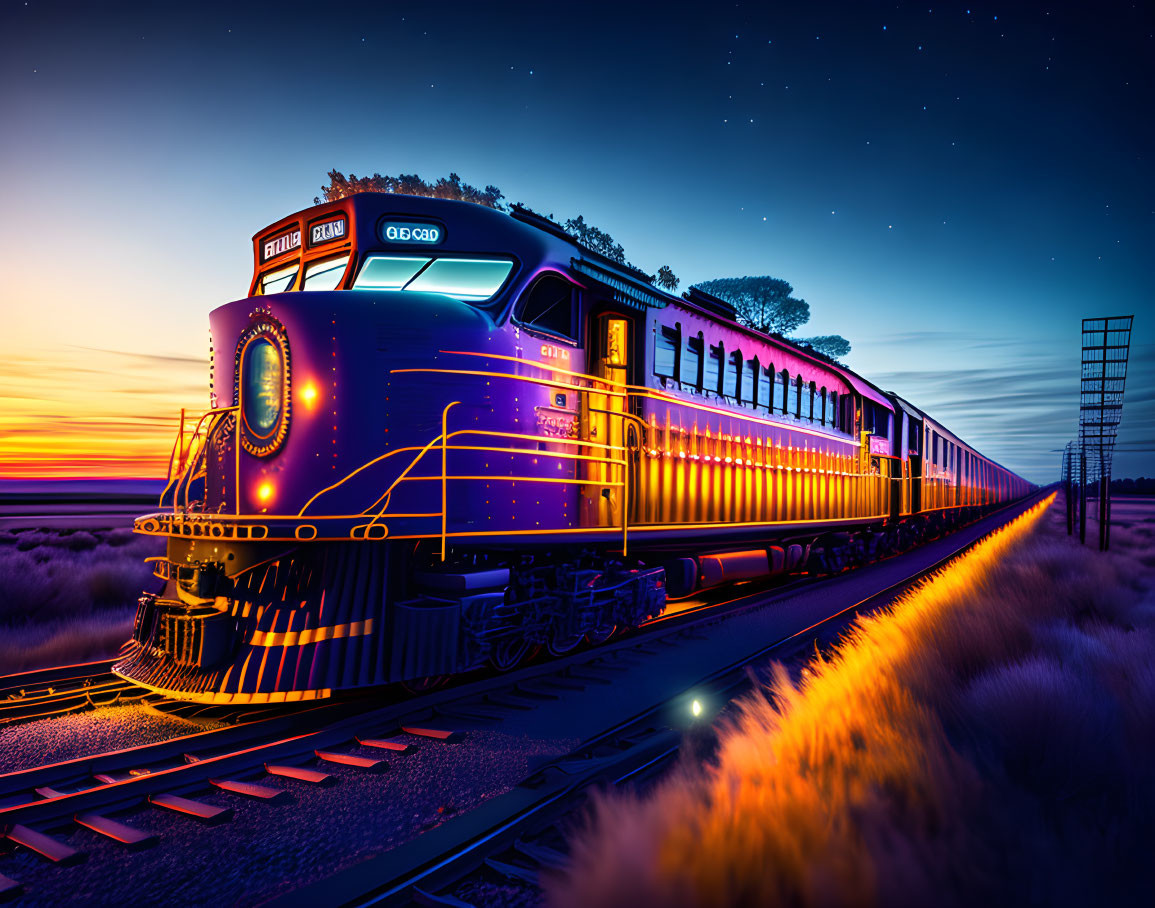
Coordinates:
952 188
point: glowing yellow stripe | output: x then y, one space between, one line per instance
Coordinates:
316 635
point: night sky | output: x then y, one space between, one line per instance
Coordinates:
950 187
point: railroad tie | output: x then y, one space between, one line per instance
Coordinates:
9 888
44 845
392 744
126 835
300 773
366 763
512 871
206 813
252 790
437 734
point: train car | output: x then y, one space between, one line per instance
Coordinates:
442 436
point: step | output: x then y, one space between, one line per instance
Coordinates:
115 830
300 773
47 792
206 813
351 760
252 790
44 845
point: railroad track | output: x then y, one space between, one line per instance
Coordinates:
252 761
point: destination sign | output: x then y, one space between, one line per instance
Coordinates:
279 244
327 231
420 232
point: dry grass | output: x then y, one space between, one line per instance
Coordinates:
990 738
69 596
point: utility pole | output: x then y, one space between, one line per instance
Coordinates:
1103 378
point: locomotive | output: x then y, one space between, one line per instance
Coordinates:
442 436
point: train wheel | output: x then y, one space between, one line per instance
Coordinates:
601 634
508 653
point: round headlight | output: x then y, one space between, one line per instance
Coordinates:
262 387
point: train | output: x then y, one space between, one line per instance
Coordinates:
442 436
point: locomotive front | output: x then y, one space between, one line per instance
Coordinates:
319 468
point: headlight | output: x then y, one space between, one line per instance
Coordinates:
262 382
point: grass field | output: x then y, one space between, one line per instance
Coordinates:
69 596
990 739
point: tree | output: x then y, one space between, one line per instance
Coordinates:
834 346
666 278
450 187
763 303
595 240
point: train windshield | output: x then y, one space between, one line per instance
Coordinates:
280 280
471 280
326 274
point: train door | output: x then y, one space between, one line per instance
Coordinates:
915 483
605 422
897 475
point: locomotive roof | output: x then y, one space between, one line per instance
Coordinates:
525 231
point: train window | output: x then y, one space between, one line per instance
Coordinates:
666 351
388 272
813 411
765 386
832 410
781 392
692 362
550 305
713 370
469 280
325 275
796 398
749 382
278 281
733 371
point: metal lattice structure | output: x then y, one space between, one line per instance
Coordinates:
1102 381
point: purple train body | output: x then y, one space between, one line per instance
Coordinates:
442 436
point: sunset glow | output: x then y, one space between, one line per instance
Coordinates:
77 412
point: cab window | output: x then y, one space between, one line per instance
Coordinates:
550 305
279 281
326 274
469 280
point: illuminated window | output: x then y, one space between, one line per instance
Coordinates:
765 386
782 383
550 305
692 362
713 370
325 275
665 351
470 280
388 272
832 407
278 281
749 381
811 406
733 369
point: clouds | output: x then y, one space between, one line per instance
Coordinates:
80 411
